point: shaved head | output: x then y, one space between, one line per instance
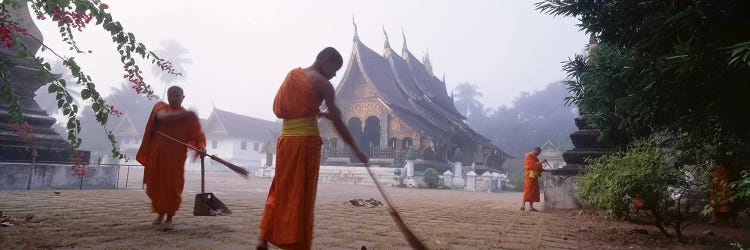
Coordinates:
174 90
327 62
331 55
175 96
537 150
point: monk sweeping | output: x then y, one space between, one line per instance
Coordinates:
288 215
720 193
164 160
532 170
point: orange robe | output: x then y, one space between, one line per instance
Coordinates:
288 215
164 159
720 193
532 170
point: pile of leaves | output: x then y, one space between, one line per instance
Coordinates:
8 221
369 203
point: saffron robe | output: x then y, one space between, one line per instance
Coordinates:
720 190
532 170
164 159
288 214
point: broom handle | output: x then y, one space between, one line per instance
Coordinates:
412 239
202 175
184 144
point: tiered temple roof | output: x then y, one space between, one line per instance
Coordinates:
411 92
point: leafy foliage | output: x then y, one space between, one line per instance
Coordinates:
670 67
431 178
665 195
678 66
72 16
743 189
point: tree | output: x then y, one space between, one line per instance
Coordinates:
174 52
466 100
677 68
20 44
532 119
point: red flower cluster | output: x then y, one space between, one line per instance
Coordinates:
79 166
23 132
67 15
6 27
114 110
138 84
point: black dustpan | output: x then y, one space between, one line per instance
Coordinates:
207 204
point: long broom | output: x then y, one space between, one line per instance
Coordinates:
237 169
411 238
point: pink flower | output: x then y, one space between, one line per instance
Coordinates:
103 6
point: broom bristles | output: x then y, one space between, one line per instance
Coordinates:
237 169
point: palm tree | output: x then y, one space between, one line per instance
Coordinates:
466 100
175 53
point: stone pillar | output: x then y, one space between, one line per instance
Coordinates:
559 187
471 181
397 180
448 179
50 147
410 182
458 179
487 181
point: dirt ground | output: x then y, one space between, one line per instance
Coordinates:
444 219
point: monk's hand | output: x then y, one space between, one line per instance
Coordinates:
361 156
325 115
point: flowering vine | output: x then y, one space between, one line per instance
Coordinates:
72 16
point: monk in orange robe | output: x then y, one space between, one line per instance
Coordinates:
720 193
532 170
163 159
288 215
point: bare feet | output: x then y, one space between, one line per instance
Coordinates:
167 225
159 219
523 208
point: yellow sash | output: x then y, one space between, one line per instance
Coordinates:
307 126
532 174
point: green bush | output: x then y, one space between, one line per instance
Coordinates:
742 187
666 196
431 178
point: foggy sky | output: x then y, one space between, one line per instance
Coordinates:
242 50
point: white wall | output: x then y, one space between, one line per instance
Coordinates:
230 149
227 148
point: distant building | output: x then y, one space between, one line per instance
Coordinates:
393 102
236 138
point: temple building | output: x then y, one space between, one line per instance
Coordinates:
393 104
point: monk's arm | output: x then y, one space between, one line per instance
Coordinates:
333 114
167 116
